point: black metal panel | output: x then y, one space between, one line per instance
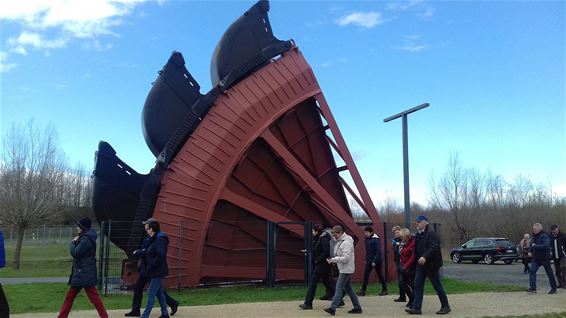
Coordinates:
246 45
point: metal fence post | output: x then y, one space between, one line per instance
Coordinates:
100 254
270 270
179 271
107 256
385 251
308 254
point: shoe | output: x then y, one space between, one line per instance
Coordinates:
174 308
355 311
305 306
133 313
532 291
341 304
399 300
361 293
412 311
325 297
443 311
331 311
552 291
409 305
383 293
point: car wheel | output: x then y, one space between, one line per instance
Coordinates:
488 259
456 258
508 261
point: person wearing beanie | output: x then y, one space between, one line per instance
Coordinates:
83 271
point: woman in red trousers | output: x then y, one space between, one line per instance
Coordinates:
83 274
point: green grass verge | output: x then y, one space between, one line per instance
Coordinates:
48 297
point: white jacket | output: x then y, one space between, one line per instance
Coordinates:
344 254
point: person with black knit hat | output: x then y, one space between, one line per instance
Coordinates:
83 272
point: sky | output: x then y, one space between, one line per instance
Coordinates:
492 71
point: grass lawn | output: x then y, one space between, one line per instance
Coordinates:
39 259
48 297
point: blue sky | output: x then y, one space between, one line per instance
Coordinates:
493 72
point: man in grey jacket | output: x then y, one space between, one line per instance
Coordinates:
345 259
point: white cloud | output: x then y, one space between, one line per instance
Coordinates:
64 20
5 67
363 19
427 14
411 44
97 46
403 5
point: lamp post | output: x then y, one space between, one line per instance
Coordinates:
406 158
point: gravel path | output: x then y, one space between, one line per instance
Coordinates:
463 305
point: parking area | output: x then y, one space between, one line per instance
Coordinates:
497 273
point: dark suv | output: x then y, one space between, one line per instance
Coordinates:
488 249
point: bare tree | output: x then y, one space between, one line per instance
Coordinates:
32 167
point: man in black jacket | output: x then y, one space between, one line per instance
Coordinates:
372 261
143 279
540 247
321 271
558 245
429 261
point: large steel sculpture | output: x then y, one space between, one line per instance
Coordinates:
259 146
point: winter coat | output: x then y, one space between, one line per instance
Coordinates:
83 251
427 245
396 243
540 246
321 251
407 257
344 254
373 250
2 251
154 256
525 247
558 246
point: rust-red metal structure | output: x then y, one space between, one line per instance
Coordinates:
264 151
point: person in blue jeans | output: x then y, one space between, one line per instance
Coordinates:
541 253
345 259
429 261
154 258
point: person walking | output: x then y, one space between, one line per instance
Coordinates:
541 254
558 247
4 307
321 268
396 243
525 248
143 279
345 259
429 261
154 258
372 261
83 272
407 261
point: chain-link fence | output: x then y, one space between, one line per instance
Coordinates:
43 233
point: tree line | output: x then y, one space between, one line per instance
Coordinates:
37 184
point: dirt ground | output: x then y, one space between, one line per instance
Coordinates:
463 305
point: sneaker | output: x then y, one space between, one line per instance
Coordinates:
383 293
400 300
443 311
412 311
133 313
355 311
305 306
532 291
361 293
341 304
409 305
552 291
174 308
331 311
325 297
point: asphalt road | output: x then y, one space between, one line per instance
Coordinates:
497 273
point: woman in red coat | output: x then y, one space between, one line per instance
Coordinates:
407 262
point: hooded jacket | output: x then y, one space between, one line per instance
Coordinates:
373 250
344 254
321 251
83 251
154 256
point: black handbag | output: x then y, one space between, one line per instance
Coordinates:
334 272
